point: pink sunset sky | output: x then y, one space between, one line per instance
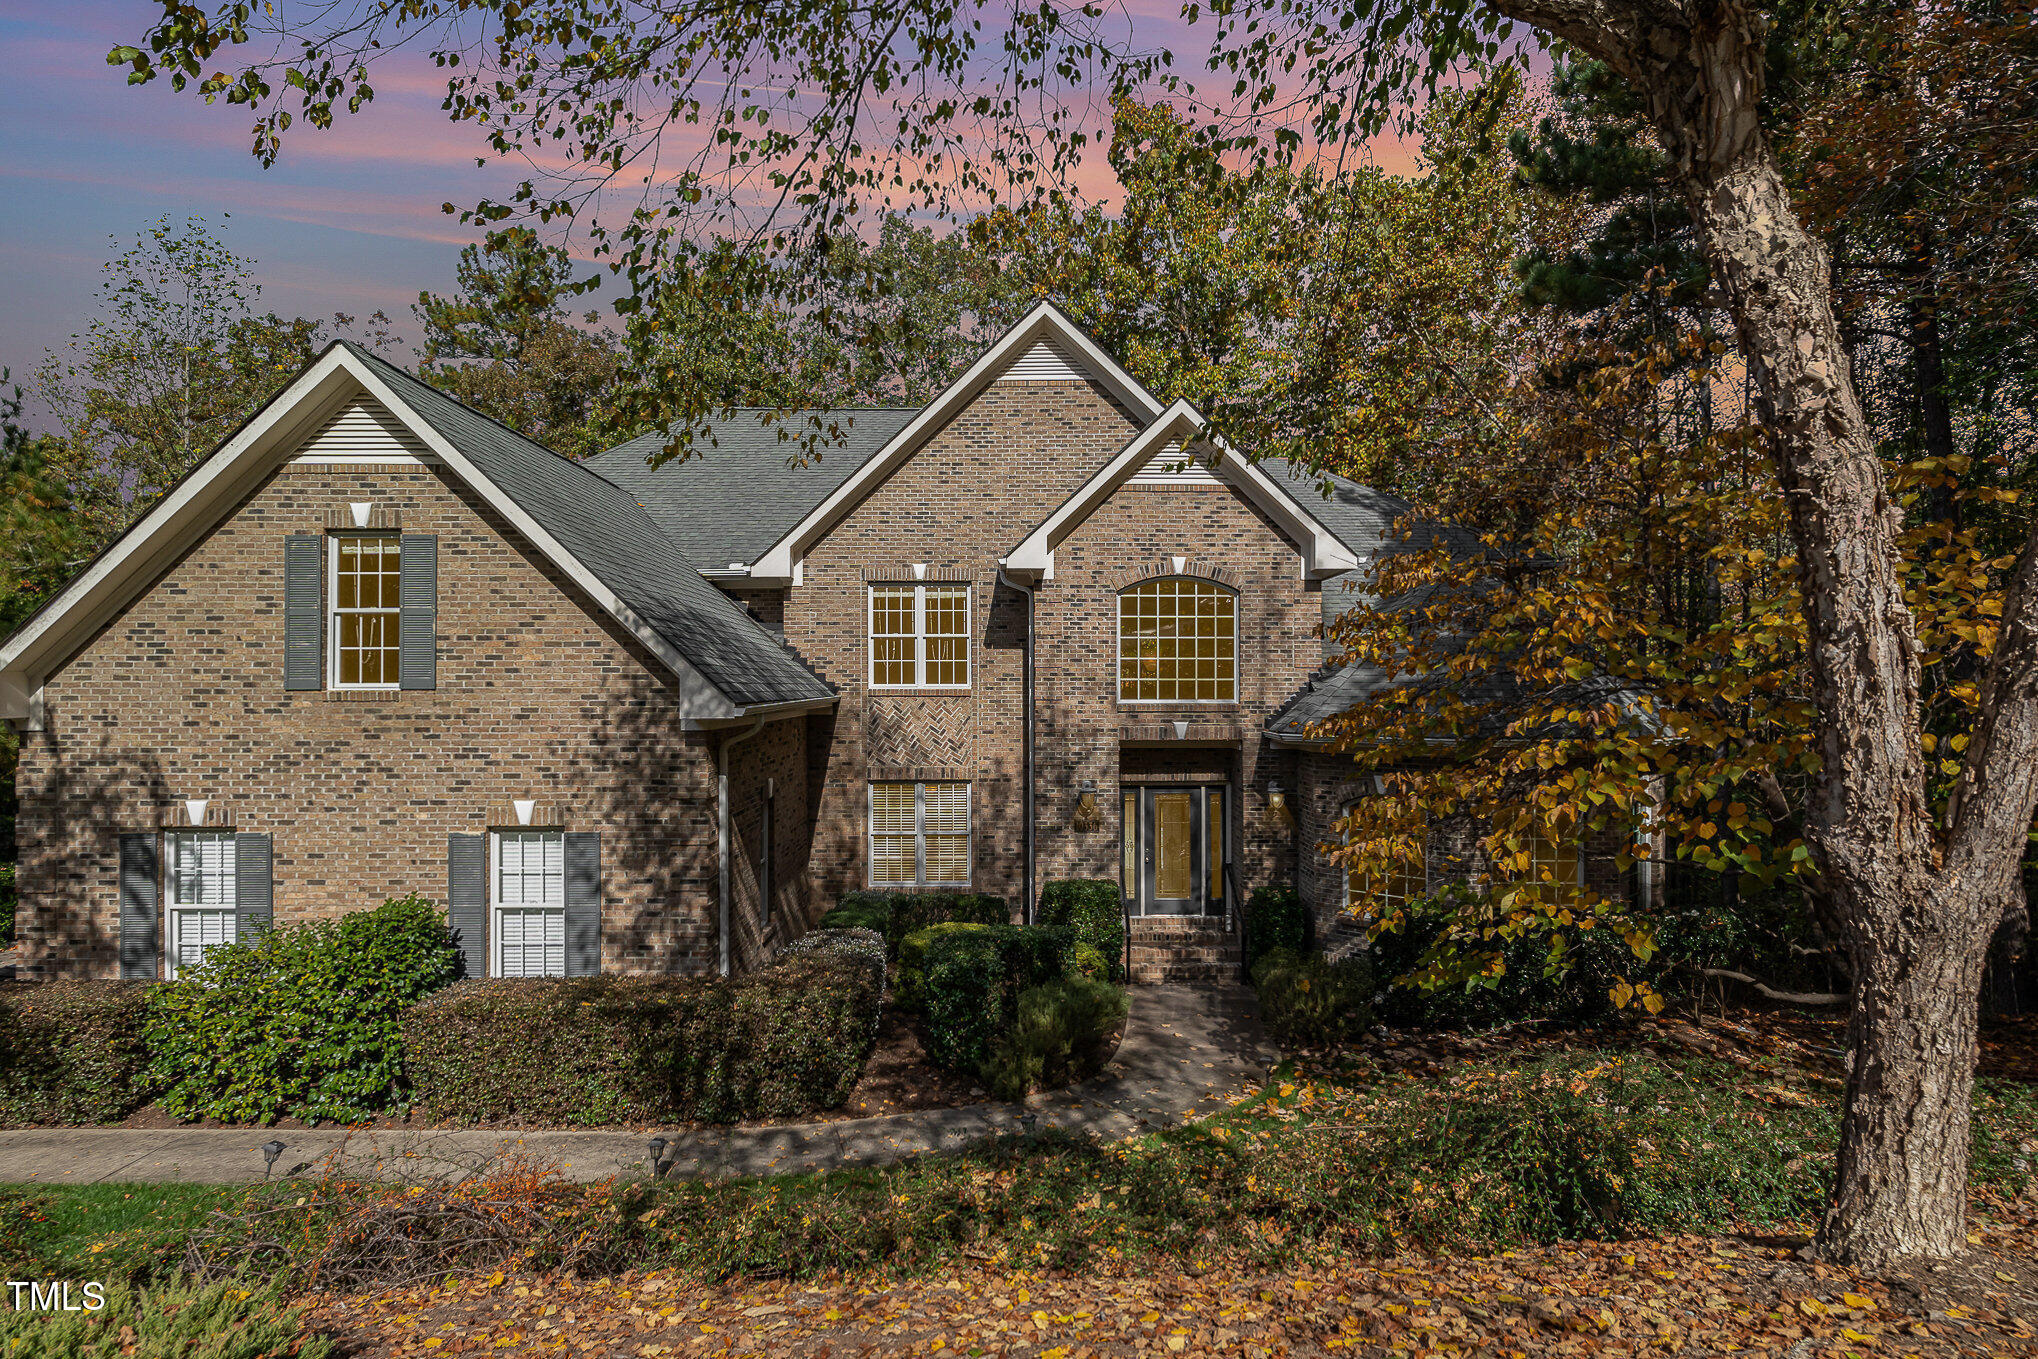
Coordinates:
347 220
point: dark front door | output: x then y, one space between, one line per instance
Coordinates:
1174 851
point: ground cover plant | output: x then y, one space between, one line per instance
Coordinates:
226 1320
1311 1002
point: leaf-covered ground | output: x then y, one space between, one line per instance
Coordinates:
1747 1293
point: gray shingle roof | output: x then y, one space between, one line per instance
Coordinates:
613 536
733 495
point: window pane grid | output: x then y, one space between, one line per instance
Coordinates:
367 596
919 636
1177 641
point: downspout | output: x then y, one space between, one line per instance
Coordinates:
1026 739
722 838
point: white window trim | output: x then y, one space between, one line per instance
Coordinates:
166 852
332 608
1118 651
920 882
1428 882
495 906
920 590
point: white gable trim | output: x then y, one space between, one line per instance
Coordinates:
195 505
1322 552
781 561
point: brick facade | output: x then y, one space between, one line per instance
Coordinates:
182 696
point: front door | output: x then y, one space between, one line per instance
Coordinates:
1174 849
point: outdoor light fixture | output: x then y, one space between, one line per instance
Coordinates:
657 1149
1278 811
1027 1120
270 1151
1087 817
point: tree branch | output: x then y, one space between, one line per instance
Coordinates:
1789 997
1988 814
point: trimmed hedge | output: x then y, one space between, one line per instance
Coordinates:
1094 909
1275 919
788 1039
1312 1002
912 976
971 985
303 1019
1057 1038
71 1052
898 914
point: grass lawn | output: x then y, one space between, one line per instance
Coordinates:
98 1231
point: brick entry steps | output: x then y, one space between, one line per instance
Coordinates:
1176 950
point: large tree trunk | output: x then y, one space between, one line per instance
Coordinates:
1911 922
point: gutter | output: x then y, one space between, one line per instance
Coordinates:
722 833
1026 740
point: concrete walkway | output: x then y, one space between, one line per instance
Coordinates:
1186 1048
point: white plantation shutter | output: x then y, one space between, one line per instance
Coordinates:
530 902
202 892
893 833
919 835
946 832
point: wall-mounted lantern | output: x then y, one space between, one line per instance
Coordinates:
1279 815
1087 816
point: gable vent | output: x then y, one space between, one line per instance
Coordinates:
1048 361
361 432
1172 467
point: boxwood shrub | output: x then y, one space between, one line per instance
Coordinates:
72 1052
304 1019
1091 908
898 914
912 971
972 982
1310 1002
1275 919
1058 1036
788 1039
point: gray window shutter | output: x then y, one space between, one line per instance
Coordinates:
467 900
254 894
303 621
418 632
583 903
138 915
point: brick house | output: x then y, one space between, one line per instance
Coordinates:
634 719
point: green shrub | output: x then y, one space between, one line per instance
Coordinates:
786 1040
1524 988
1058 1037
1275 918
898 914
1313 1003
9 896
227 1320
1094 909
1084 961
971 983
72 1052
305 1019
912 975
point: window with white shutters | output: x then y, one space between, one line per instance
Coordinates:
919 835
529 890
199 886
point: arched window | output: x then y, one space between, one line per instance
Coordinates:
1177 642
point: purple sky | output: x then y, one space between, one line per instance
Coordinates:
347 220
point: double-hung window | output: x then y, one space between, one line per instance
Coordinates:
528 895
1375 895
199 883
919 835
1553 867
367 575
919 636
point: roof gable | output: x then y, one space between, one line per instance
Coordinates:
724 663
1046 323
1178 427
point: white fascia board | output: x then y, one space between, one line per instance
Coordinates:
1035 554
195 504
699 699
1323 553
780 562
176 521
